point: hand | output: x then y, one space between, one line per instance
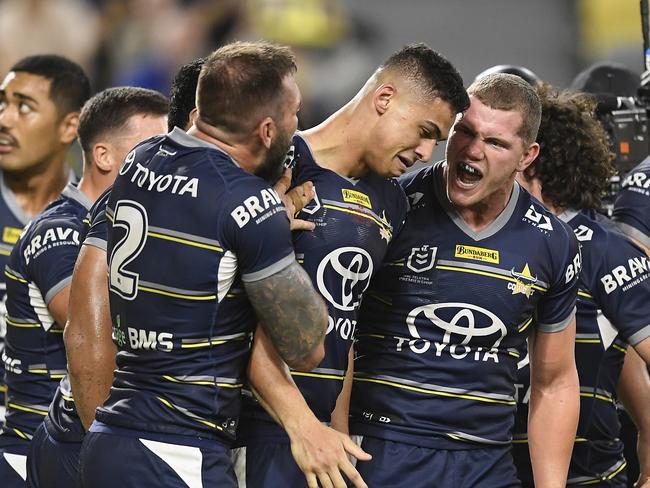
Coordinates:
295 199
322 454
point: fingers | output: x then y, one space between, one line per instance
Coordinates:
325 481
298 224
337 479
312 482
301 195
354 450
283 184
352 474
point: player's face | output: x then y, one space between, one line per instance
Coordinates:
287 124
30 125
408 132
484 153
138 128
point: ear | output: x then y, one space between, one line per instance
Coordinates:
191 118
530 154
102 157
266 131
382 97
68 128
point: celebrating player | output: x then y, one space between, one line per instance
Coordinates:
477 260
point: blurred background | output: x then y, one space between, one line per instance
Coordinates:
338 42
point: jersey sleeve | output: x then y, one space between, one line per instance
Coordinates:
621 287
557 307
53 250
95 224
256 230
632 205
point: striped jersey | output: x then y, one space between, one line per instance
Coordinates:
444 319
355 218
40 266
613 311
186 227
632 205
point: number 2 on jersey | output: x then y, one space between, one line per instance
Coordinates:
132 217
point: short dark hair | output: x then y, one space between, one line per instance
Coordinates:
110 110
69 85
182 98
241 83
503 91
431 73
574 162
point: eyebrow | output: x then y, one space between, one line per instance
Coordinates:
25 98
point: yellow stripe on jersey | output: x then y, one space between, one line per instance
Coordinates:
356 212
177 295
619 348
588 341
203 382
596 395
485 273
19 324
13 277
185 241
376 336
318 375
202 421
584 294
435 392
14 406
525 325
5 252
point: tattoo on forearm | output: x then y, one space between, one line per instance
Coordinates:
291 311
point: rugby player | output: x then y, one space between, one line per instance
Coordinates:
613 308
39 272
183 326
395 120
441 325
89 346
40 100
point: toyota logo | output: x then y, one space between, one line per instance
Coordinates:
353 267
461 319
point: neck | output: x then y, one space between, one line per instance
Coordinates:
93 183
338 142
235 147
36 188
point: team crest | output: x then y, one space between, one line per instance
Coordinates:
421 258
385 230
524 282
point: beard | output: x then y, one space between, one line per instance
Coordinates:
273 166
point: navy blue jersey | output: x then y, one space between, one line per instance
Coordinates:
355 220
186 227
632 205
613 311
40 266
12 221
95 228
443 320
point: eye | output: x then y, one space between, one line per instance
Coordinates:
23 108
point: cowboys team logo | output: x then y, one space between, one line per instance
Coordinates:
463 324
421 258
343 275
524 282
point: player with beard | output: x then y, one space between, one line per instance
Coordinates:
40 100
440 327
182 324
396 119
613 307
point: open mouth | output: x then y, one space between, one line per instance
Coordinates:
6 143
405 161
468 175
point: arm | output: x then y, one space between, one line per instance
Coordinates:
341 413
293 315
87 335
58 307
554 405
634 392
320 451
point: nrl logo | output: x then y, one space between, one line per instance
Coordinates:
421 258
524 282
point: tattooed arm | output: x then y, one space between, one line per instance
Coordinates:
293 315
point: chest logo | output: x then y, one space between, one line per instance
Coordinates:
477 254
343 275
538 219
524 282
353 196
11 234
421 258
